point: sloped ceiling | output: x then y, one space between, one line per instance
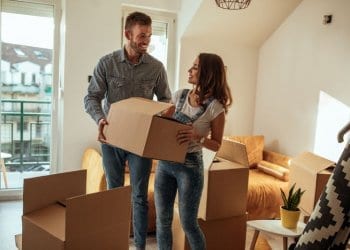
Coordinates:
250 26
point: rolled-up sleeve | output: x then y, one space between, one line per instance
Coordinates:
96 92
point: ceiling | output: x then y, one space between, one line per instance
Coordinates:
250 26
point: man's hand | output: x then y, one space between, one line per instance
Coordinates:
101 124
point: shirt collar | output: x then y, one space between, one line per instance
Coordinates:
144 58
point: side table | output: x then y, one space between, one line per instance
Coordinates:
274 227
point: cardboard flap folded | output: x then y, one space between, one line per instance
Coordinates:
233 151
42 191
50 219
311 162
104 215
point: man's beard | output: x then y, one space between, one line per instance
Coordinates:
138 50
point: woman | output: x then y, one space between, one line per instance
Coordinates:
204 107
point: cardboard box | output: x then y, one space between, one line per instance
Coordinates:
135 126
57 214
225 182
228 233
310 172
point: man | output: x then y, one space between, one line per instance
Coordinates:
128 72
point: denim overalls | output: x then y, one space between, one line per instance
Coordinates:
183 118
186 178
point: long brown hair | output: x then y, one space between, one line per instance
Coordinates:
212 80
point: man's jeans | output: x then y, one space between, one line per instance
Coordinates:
188 179
140 168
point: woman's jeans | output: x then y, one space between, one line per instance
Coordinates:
187 179
140 168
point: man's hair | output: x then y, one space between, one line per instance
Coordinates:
137 18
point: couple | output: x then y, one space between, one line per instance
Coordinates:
132 72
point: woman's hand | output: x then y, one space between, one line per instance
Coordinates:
168 112
101 124
187 135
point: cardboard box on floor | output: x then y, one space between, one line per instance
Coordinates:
57 214
225 182
135 126
227 233
310 172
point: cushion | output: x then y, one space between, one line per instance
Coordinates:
275 170
254 145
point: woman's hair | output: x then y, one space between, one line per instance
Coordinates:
212 80
137 18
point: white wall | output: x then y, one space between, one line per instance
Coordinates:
92 29
302 58
241 62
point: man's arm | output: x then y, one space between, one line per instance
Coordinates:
162 89
96 92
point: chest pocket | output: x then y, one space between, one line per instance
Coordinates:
118 88
144 88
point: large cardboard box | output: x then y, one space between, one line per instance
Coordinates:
136 126
225 182
58 214
228 233
310 172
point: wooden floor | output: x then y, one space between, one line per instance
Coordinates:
10 225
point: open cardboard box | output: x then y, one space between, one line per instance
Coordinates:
225 182
58 214
135 125
310 172
227 233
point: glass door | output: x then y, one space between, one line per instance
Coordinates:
27 33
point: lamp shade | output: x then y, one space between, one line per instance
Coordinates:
233 4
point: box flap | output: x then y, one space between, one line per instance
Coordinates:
39 192
208 158
233 151
51 219
99 217
35 237
311 162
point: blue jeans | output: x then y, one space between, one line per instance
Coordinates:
188 179
140 168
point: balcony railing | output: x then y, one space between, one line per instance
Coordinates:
25 134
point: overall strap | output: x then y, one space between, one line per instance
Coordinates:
182 100
202 108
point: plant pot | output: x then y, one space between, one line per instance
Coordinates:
289 218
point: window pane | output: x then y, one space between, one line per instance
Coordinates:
26 73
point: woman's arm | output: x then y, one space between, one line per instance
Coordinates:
212 143
217 132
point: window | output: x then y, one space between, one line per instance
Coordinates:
27 42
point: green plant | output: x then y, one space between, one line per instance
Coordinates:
292 201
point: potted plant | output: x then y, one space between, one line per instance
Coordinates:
290 212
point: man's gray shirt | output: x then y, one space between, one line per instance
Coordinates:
115 79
